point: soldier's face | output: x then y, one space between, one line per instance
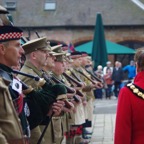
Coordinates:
41 57
83 61
12 52
77 62
59 67
67 65
50 61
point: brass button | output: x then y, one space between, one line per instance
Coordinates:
143 96
132 87
140 94
135 90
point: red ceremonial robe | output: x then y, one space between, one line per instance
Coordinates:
129 127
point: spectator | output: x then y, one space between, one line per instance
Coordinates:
117 77
98 91
108 65
131 69
108 81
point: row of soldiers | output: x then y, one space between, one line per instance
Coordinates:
50 97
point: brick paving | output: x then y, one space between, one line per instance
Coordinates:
103 129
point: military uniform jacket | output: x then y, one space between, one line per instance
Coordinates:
12 126
79 115
89 95
43 100
45 97
129 128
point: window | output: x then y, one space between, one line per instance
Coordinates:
50 5
10 5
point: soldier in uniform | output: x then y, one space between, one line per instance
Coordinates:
18 113
88 87
54 131
89 95
37 51
3 17
10 126
79 116
59 123
76 117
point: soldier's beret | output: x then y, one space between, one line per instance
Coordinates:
36 44
84 54
8 33
65 48
75 55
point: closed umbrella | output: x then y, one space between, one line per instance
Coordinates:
99 50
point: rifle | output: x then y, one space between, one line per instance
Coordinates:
75 76
93 82
94 76
70 90
72 79
36 78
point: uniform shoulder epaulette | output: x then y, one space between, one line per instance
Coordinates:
136 90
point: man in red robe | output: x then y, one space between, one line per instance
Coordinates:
129 127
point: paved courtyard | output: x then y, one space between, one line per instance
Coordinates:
104 121
103 129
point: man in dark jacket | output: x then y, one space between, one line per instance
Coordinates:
117 77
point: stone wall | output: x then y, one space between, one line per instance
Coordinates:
81 35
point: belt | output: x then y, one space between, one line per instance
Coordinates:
24 140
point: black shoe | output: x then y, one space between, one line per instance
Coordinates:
84 136
86 132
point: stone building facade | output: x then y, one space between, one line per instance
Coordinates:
65 21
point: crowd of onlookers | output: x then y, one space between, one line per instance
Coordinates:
113 78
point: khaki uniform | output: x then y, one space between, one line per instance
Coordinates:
79 115
58 125
55 131
10 126
13 123
30 69
45 103
89 96
70 115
